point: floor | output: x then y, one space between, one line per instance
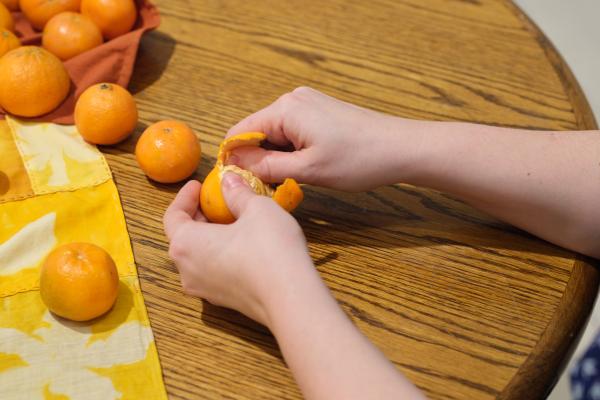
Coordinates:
574 28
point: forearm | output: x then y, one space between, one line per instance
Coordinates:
547 183
327 354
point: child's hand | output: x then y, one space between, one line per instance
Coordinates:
337 144
246 265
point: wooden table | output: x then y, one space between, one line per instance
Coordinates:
467 307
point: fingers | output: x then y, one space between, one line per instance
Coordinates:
183 208
273 166
237 193
199 217
269 120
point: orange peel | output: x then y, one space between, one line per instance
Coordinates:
288 195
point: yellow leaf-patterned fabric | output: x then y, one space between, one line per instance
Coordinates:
54 189
14 181
57 158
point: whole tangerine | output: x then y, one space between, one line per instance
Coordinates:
39 12
113 17
168 151
105 113
8 41
69 34
6 19
33 81
288 195
12 5
79 281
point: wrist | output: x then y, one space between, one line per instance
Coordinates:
420 150
296 292
399 149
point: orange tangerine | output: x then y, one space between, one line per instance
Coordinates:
106 113
168 151
288 195
8 41
79 281
6 19
33 81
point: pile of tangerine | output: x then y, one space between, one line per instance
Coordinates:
33 79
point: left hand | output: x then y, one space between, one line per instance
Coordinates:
247 265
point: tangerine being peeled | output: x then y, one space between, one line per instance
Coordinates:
288 195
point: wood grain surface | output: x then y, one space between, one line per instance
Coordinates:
467 307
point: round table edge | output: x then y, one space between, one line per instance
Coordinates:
539 373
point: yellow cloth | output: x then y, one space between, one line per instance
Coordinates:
55 189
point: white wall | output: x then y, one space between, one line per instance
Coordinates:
574 28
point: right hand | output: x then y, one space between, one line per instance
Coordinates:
337 144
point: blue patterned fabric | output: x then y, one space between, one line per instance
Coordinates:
585 375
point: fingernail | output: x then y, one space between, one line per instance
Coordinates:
231 180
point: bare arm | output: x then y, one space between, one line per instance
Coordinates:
547 183
328 355
260 266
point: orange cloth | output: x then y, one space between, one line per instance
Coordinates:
113 61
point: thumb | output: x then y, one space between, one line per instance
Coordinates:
271 166
236 192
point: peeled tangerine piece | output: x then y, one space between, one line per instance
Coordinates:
288 195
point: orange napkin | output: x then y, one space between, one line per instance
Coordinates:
113 61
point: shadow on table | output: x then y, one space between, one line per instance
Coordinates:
398 216
155 51
404 216
236 324
128 145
